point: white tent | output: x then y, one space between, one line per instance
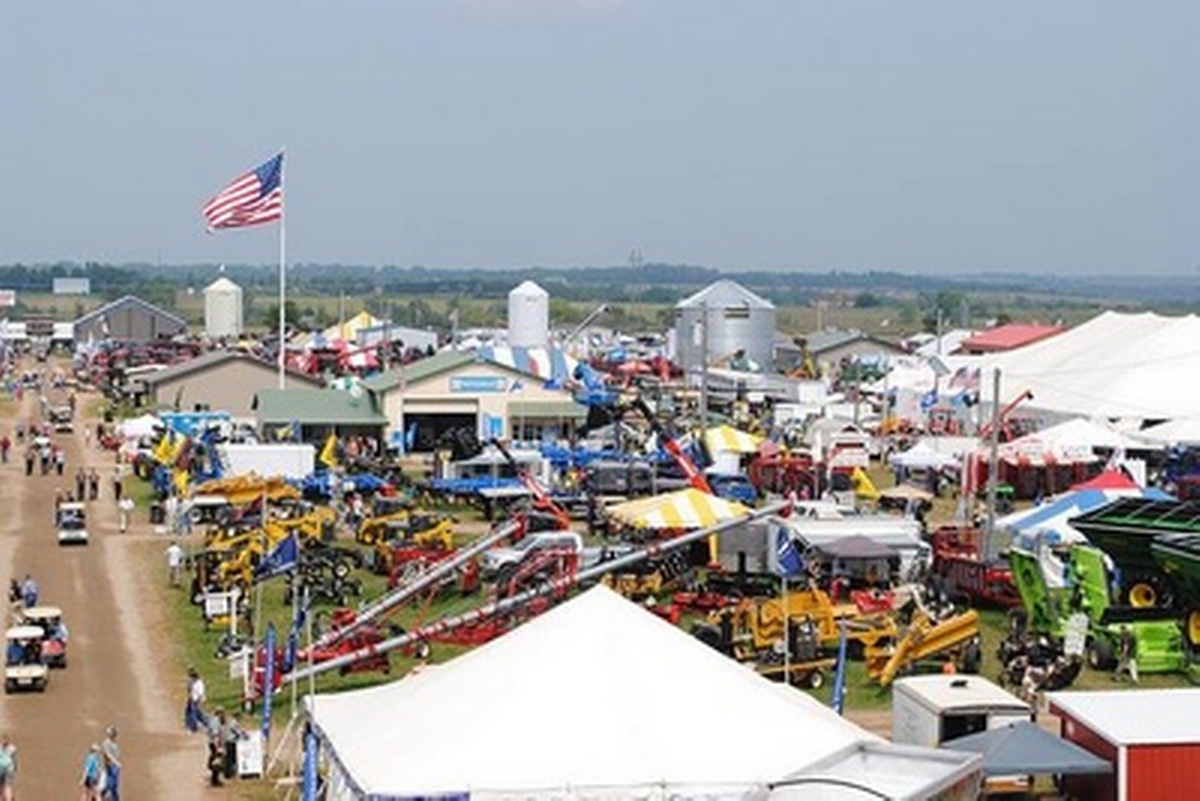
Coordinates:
138 427
596 698
1181 431
1137 366
1080 433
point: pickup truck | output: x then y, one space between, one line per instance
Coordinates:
496 560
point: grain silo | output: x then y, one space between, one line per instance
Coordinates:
528 316
727 318
222 309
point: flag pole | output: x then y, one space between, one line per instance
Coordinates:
282 282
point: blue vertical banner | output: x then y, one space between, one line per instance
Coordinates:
839 678
308 786
268 678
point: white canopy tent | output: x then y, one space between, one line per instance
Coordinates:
138 427
595 699
1136 366
1181 431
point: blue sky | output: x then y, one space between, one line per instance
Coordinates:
925 137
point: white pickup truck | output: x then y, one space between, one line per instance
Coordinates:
495 560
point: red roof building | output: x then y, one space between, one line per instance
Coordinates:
1008 337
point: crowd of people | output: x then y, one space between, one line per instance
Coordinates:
222 730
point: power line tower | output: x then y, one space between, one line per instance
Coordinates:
635 259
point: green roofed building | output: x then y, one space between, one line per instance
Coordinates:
317 412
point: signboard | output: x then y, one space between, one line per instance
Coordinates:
72 286
250 754
219 604
8 297
478 383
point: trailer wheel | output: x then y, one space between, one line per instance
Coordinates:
1100 655
1193 628
1148 591
422 650
815 680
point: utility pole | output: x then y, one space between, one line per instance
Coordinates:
993 458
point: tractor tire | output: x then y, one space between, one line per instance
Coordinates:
1149 591
815 680
9 688
710 635
341 569
422 650
1100 655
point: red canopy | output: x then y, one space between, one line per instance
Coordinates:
1108 480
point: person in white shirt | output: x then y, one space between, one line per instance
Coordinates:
174 563
193 714
125 508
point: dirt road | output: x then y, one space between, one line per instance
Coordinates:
119 670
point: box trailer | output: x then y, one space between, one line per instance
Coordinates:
930 710
289 460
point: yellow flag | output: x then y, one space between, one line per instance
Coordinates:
328 455
162 451
178 443
863 486
182 478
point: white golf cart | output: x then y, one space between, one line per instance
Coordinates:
71 524
24 668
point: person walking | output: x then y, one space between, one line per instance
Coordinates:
93 481
125 512
110 754
92 775
60 460
231 733
80 480
5 446
174 563
29 592
1126 655
8 768
116 484
29 460
216 748
193 712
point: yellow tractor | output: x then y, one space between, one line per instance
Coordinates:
244 489
411 536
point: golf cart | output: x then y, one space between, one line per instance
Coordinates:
23 665
71 524
49 619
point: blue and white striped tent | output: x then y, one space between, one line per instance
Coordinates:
549 364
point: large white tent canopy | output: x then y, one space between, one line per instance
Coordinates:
1134 366
596 698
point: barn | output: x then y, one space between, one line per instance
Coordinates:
1152 738
128 319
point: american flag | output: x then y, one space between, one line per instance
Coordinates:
253 198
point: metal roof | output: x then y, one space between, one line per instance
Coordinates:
1134 717
418 370
214 359
109 308
725 293
317 407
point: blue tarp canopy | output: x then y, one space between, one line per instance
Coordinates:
1026 749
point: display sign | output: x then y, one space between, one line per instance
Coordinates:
219 604
250 754
478 383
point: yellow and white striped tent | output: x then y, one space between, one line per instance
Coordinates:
685 509
727 439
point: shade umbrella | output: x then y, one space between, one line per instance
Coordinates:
1026 749
686 509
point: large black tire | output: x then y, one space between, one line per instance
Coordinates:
1148 591
1100 654
815 680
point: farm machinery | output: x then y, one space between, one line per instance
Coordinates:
961 565
492 617
1059 628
